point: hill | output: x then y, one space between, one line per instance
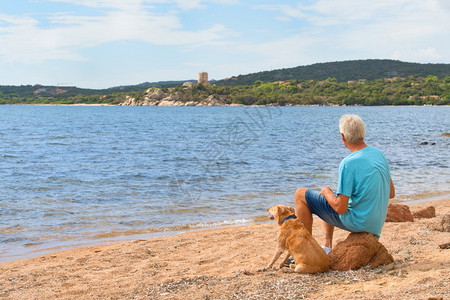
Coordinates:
360 82
24 91
343 71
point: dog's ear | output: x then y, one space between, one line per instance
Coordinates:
291 210
279 211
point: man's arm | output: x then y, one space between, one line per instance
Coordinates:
339 204
392 192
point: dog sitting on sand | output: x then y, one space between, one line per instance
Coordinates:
309 257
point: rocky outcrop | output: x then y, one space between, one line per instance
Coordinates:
359 250
399 213
426 213
189 84
213 101
129 101
156 97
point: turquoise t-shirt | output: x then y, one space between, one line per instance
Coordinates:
364 177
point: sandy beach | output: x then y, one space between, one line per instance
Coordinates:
223 264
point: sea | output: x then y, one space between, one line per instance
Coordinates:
73 176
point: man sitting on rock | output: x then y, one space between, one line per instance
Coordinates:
364 189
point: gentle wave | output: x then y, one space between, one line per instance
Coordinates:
179 228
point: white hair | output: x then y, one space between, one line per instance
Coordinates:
352 127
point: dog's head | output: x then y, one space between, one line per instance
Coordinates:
280 212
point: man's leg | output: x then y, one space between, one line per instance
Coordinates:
321 208
328 231
302 209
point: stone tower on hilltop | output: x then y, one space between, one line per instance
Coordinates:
203 77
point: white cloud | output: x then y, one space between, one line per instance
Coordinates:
429 54
116 4
404 29
288 12
28 41
177 38
132 4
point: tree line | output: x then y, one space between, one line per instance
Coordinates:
389 91
392 91
343 71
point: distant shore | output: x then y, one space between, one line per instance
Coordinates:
222 263
225 105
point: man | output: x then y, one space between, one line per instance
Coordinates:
364 189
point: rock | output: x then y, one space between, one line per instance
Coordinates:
173 97
156 97
150 103
167 103
189 84
129 101
426 213
441 224
399 213
381 257
359 250
212 101
156 94
445 246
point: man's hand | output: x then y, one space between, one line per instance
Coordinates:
339 204
327 192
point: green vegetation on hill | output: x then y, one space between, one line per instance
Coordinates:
398 91
368 82
370 69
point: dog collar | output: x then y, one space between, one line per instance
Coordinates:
288 218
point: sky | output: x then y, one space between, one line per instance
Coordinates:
106 43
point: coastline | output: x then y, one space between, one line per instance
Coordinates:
225 105
105 238
221 263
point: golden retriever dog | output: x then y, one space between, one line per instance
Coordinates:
309 257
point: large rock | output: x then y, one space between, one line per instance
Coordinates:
156 97
189 84
212 101
129 101
172 97
156 94
168 103
399 213
426 213
359 250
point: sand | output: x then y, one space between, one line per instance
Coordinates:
222 264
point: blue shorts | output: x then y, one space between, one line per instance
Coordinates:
319 206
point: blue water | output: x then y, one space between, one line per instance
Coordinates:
74 174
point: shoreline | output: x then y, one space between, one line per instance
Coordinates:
101 239
226 105
222 263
